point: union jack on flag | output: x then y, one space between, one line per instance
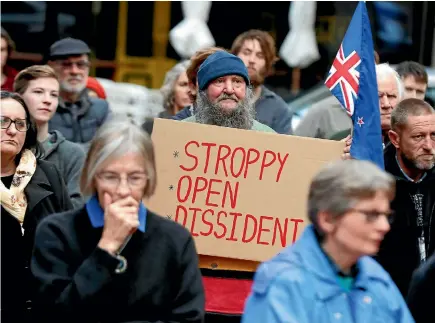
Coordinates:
344 77
352 80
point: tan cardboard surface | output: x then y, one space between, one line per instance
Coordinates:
242 194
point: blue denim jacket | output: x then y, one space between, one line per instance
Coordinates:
299 285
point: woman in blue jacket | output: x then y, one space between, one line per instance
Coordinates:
328 274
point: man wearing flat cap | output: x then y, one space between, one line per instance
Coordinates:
225 97
78 116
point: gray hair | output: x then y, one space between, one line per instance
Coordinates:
115 138
409 107
342 184
171 77
241 117
384 71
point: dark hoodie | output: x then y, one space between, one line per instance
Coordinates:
399 252
69 158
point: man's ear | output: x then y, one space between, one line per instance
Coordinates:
394 138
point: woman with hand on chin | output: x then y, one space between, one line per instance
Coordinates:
39 87
31 189
113 260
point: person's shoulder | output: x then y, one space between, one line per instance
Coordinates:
98 101
61 221
376 274
258 126
99 105
189 119
340 135
72 148
280 104
48 167
284 269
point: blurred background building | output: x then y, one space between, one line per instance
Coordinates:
130 40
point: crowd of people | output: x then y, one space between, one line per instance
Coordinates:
79 245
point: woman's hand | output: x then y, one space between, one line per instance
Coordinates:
121 219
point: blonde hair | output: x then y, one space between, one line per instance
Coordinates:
34 72
115 138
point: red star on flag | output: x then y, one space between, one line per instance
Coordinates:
360 121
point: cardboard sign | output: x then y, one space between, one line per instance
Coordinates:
242 194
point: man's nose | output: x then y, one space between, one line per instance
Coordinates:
383 225
384 102
12 130
74 69
123 188
428 143
229 88
47 98
412 94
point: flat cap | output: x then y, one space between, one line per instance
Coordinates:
69 46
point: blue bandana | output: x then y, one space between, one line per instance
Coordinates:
96 214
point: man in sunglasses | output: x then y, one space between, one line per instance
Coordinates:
410 157
78 116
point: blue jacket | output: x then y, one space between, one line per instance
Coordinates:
183 114
79 121
299 285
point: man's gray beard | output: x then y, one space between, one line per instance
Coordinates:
66 87
241 117
415 164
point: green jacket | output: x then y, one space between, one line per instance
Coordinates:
257 126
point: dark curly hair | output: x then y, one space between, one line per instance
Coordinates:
31 141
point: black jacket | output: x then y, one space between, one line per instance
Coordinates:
421 297
46 194
399 252
77 280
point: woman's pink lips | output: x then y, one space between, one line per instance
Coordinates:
46 110
10 141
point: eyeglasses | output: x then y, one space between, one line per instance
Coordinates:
373 216
114 180
81 65
20 124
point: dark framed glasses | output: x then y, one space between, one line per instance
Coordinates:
20 124
82 65
373 216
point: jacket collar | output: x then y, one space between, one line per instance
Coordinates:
38 189
96 214
308 253
83 103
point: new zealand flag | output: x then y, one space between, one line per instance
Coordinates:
352 80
